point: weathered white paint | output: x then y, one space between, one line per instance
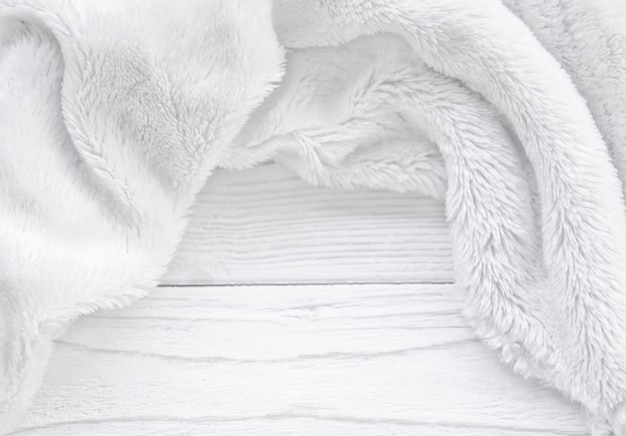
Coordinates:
334 359
267 226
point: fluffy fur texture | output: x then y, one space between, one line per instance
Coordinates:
113 115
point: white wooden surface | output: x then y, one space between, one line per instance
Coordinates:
267 226
273 340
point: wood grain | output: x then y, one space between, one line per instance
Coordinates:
388 355
289 360
267 226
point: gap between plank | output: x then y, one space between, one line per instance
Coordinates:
234 284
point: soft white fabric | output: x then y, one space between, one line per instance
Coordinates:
113 114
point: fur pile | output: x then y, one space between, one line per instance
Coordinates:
113 114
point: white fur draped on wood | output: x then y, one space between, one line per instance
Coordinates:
113 114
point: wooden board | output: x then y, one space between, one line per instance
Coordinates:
289 360
267 226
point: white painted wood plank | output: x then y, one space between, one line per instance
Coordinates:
289 360
279 425
267 226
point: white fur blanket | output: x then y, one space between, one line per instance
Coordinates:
114 113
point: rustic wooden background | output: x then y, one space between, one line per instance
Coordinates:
291 310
